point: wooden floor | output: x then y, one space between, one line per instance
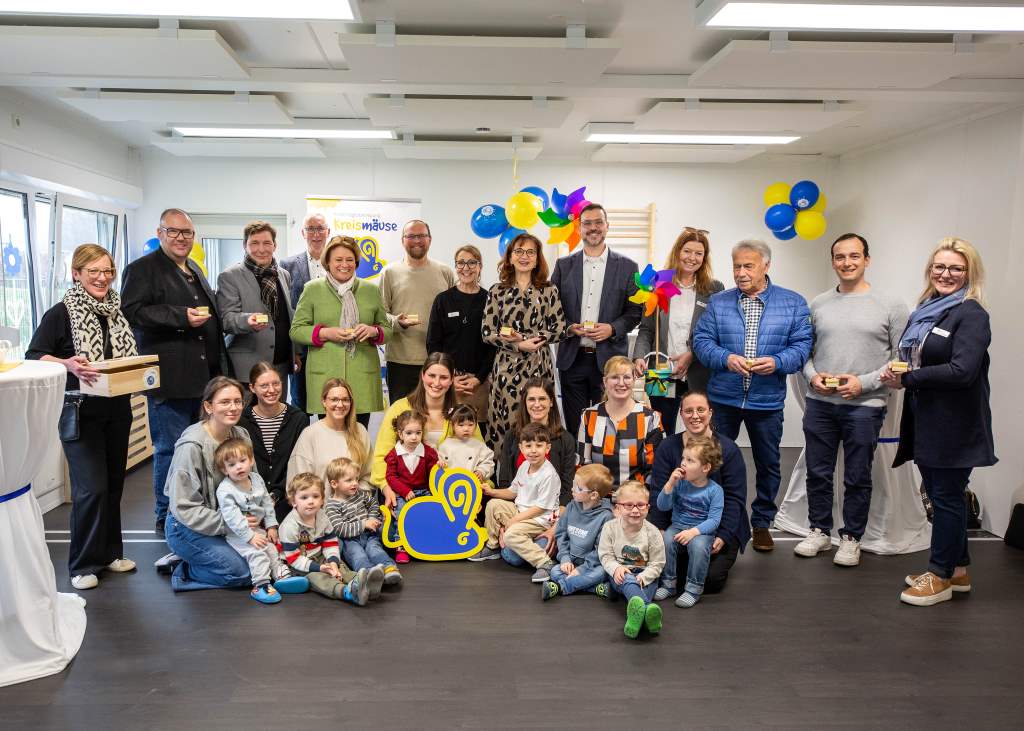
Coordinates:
792 643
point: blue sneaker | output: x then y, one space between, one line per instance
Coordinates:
292 585
265 594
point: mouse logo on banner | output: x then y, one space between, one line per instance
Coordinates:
369 263
440 526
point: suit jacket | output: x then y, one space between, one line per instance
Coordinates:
154 298
615 309
947 421
297 267
238 296
698 374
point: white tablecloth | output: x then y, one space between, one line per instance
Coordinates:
896 521
40 630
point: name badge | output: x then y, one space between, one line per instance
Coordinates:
940 331
701 304
453 314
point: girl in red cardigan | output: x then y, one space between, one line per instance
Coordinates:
408 467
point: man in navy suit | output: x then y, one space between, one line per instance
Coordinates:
595 285
304 267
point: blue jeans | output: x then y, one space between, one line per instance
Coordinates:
514 559
207 562
586 580
399 504
765 431
631 587
364 551
168 418
945 488
826 426
698 557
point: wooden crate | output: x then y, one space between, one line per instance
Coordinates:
140 445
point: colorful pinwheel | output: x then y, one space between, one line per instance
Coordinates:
654 289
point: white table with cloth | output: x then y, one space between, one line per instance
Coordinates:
40 630
896 520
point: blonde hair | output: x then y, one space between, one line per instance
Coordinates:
634 486
347 241
974 277
597 477
702 277
357 451
304 481
88 253
616 362
707 449
340 468
232 449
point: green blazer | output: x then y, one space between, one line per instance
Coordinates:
318 305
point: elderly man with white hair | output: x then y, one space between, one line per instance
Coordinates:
750 338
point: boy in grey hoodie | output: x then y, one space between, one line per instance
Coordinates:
579 528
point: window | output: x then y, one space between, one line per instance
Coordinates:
82 226
17 309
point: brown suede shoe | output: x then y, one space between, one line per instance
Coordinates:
762 540
959 584
928 589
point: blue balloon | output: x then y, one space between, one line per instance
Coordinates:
150 246
488 221
540 193
780 217
786 234
506 238
804 194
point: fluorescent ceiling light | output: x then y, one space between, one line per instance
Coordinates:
274 9
656 139
292 133
962 18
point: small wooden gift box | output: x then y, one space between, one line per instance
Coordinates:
120 376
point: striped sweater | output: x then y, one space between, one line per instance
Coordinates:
346 515
305 547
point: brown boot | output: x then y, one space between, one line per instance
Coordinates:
762 540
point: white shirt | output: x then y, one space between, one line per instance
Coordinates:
411 459
539 490
315 270
593 283
680 317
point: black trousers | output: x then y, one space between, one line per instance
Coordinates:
582 386
402 379
718 569
96 465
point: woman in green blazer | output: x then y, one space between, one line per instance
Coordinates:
342 320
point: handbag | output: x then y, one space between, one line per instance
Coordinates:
68 428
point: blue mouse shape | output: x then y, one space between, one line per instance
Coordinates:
369 264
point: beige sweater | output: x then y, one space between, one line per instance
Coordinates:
645 548
469 454
319 444
411 291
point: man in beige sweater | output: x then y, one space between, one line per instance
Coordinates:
408 288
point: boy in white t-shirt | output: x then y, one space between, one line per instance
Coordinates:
516 515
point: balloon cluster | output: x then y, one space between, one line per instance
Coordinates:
527 208
795 211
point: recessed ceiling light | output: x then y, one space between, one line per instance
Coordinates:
631 138
936 17
294 10
295 133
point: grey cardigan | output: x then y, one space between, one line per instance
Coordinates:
698 374
238 296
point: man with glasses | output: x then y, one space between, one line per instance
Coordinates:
595 285
305 267
856 334
173 312
408 288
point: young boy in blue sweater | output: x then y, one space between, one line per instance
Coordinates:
696 503
579 528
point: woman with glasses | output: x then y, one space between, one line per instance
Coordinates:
522 319
338 434
456 319
274 427
84 327
691 259
945 347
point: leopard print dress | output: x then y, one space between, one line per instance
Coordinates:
530 312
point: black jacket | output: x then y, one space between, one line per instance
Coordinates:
274 468
946 417
456 319
154 298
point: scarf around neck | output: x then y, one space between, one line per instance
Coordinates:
266 278
922 319
85 312
349 310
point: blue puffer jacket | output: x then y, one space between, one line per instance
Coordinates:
784 332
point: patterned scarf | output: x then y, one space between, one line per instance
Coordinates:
349 310
266 277
85 312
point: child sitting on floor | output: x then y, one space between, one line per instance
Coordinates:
408 468
579 528
464 451
632 551
242 494
355 516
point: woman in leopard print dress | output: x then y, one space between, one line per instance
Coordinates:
526 303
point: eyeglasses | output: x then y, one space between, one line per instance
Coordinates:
315 230
622 378
699 411
630 507
96 273
179 233
576 487
229 402
467 264
954 271
336 401
416 237
528 253
599 223
692 230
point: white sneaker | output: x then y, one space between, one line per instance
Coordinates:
85 581
121 565
848 553
813 544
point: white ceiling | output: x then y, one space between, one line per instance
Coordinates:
452 66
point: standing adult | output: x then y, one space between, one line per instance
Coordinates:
946 344
594 286
409 288
255 303
86 326
856 334
304 267
751 337
341 320
691 259
174 315
620 432
734 528
274 428
456 318
522 318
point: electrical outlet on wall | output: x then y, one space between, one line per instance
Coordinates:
15 121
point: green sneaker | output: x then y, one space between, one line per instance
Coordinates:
652 618
549 590
634 617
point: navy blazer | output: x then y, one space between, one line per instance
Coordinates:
946 419
615 309
298 267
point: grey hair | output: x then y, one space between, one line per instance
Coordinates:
754 245
174 212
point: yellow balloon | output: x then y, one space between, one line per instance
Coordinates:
560 234
776 193
522 210
810 224
198 255
820 205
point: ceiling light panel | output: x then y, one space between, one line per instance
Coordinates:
309 132
226 9
161 108
745 117
637 138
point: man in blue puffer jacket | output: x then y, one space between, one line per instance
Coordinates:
751 338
